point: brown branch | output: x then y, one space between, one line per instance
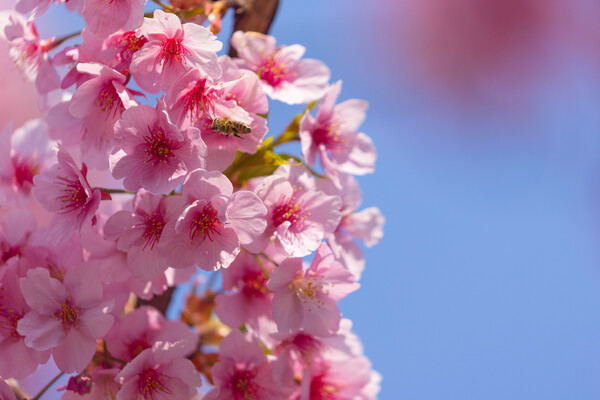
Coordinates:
254 15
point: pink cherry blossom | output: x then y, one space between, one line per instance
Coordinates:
298 216
350 379
159 373
99 102
244 372
248 103
251 299
24 153
173 49
105 17
18 360
64 190
16 227
284 75
66 317
143 327
29 54
154 154
103 386
214 223
333 135
366 225
139 232
306 298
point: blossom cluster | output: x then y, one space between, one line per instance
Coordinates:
153 161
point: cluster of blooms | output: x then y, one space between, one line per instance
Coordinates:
202 187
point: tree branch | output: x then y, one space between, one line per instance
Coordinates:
254 15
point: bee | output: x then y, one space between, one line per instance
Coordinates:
227 127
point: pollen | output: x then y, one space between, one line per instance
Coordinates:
243 386
330 136
255 284
289 210
8 320
173 52
158 148
200 101
150 383
153 227
128 44
206 224
72 196
109 101
68 314
275 72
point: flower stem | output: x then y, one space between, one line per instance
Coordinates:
110 191
52 382
60 41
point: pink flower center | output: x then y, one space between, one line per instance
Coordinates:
128 44
153 227
329 135
7 252
199 101
109 101
289 210
8 320
205 224
309 289
136 347
255 284
322 390
73 195
27 57
274 72
24 171
68 314
243 385
158 148
173 51
150 383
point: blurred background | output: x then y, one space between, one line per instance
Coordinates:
486 117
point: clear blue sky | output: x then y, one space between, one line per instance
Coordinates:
487 282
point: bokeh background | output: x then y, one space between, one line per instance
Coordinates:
486 117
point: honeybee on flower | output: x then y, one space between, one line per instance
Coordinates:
228 127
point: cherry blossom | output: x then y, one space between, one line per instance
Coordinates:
18 360
24 153
333 135
154 154
250 298
140 329
298 215
139 232
214 223
171 50
244 372
28 52
99 102
158 373
64 190
284 75
366 224
66 317
305 298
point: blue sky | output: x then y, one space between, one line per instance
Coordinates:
486 284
